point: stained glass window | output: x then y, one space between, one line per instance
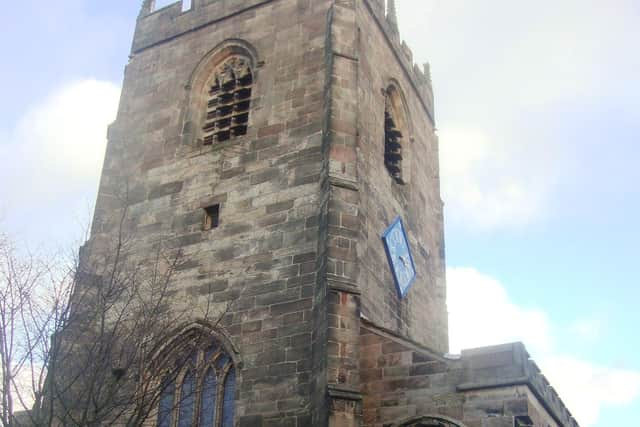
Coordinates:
208 398
227 404
202 393
430 422
165 410
187 400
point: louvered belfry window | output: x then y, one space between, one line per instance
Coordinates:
392 143
228 101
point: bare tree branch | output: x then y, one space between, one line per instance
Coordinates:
79 338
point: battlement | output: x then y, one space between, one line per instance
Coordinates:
507 365
157 25
388 23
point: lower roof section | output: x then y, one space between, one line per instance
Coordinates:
491 386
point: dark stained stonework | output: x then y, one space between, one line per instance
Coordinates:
303 198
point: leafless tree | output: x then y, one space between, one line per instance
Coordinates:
77 343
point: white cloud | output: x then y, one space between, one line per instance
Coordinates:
508 76
586 387
58 145
481 313
50 163
522 53
587 328
482 181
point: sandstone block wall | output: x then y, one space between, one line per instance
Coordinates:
487 387
264 255
304 197
422 316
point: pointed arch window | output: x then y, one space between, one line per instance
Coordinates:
427 421
228 101
202 393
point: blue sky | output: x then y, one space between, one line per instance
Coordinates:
538 110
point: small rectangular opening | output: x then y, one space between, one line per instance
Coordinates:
522 421
211 217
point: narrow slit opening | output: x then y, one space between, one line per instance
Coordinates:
392 148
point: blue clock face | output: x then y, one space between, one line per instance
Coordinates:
399 256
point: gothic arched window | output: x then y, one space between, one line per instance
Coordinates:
394 133
200 391
228 100
429 421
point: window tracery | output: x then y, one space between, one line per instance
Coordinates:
228 101
430 422
202 393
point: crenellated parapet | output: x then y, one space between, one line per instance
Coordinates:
386 17
496 385
157 25
510 365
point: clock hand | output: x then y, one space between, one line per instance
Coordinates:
404 260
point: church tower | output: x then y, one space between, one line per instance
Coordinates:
287 148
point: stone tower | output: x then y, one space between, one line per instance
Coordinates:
273 142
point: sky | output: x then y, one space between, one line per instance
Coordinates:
538 115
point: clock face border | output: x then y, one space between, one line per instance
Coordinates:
398 222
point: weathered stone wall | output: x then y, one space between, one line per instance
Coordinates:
422 316
486 387
304 197
264 255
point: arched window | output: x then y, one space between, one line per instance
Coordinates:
228 100
430 421
202 392
220 93
395 128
